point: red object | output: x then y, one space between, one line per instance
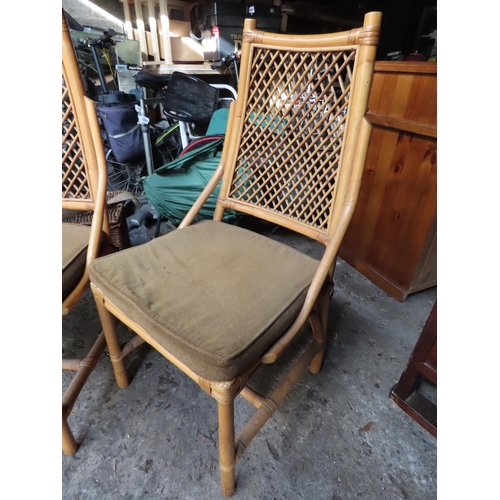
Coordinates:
414 56
200 142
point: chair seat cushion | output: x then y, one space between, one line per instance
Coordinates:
214 295
75 240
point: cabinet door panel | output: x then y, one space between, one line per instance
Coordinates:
389 238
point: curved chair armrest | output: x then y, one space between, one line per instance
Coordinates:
214 180
350 194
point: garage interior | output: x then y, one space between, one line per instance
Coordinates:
344 433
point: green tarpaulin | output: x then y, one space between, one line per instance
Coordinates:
174 187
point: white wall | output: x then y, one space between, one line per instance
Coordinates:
104 14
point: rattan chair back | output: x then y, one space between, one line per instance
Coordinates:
84 171
297 125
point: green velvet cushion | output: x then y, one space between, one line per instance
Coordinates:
75 240
214 295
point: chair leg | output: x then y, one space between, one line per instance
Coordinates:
108 322
319 321
319 333
226 446
69 444
85 368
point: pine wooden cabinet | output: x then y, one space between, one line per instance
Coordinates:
392 238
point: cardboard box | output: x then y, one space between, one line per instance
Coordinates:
184 49
177 28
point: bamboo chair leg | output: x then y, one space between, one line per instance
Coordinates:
69 444
116 354
85 368
319 321
270 404
226 446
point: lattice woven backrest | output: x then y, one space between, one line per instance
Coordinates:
75 178
293 132
293 128
78 156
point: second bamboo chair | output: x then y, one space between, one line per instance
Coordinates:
84 178
219 301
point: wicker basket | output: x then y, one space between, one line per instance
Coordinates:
117 215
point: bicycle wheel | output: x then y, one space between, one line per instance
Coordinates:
125 176
166 145
129 176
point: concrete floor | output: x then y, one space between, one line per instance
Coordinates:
336 436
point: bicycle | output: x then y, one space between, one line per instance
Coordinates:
231 63
184 120
160 141
162 144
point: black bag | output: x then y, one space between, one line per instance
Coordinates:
189 99
124 133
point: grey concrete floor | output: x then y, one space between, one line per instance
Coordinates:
336 436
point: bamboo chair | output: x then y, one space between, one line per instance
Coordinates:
84 178
220 301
